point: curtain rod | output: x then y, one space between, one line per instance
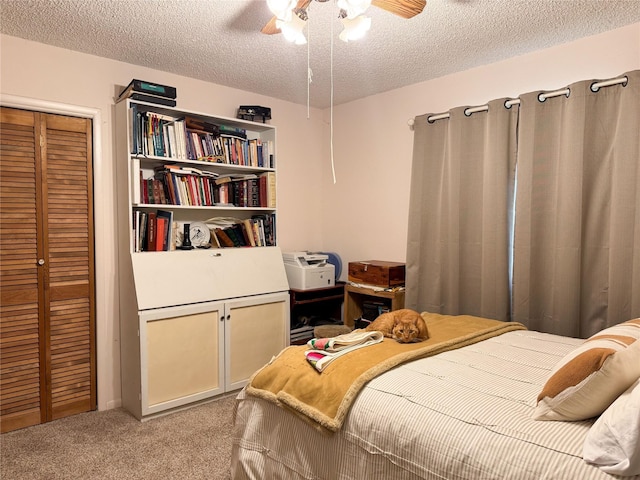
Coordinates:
595 86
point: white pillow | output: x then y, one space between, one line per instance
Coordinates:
588 379
613 442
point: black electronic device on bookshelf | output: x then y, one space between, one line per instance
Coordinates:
250 112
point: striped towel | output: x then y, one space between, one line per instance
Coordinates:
325 350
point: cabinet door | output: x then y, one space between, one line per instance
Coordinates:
256 329
181 352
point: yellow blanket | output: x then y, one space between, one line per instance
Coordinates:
324 398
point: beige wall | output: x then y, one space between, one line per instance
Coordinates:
365 212
363 215
57 76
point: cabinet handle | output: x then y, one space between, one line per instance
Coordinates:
228 317
41 262
222 318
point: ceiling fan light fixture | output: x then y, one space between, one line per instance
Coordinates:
292 29
355 29
282 9
354 8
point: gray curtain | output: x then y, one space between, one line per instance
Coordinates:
460 203
577 220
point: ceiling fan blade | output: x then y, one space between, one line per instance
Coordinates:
402 8
270 28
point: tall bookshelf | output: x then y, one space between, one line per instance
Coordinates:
188 316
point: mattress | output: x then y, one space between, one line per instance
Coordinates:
462 414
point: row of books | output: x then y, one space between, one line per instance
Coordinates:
187 138
156 231
257 231
173 185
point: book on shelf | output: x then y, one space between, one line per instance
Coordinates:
256 233
253 193
222 179
221 195
158 192
243 176
142 231
246 234
248 226
267 228
151 232
161 232
136 231
215 241
185 170
167 231
149 98
180 146
235 233
223 238
150 88
193 123
268 189
232 131
169 129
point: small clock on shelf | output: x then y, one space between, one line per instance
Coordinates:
199 234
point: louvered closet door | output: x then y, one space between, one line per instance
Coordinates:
68 222
48 309
21 319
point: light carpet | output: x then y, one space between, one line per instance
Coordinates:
188 444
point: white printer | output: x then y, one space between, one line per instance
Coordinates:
307 270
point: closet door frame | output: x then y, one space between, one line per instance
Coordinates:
104 251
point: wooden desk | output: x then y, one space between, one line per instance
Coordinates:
354 296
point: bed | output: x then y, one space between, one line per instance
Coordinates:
465 413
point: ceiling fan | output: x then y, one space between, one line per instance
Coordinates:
402 8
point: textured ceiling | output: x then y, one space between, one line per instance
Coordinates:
220 41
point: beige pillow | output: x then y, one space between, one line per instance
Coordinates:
587 380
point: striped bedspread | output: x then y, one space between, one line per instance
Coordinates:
325 399
462 414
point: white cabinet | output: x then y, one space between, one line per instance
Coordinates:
192 353
193 323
